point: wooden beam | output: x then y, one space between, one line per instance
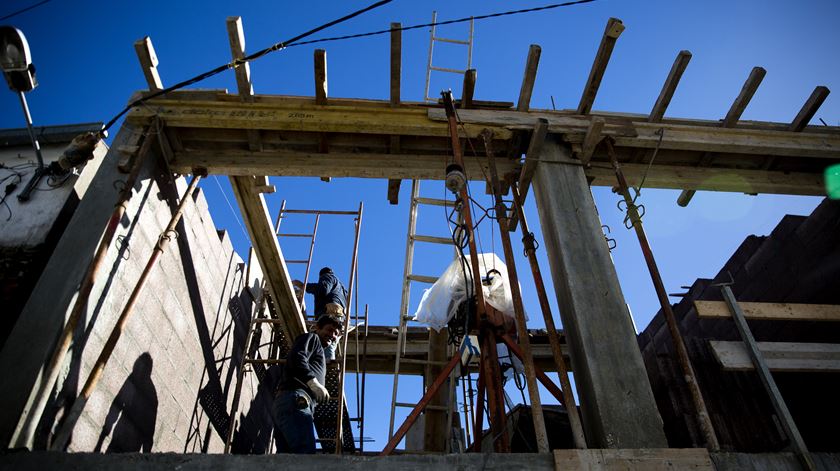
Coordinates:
729 121
320 77
641 134
468 89
236 37
780 356
660 459
394 183
396 62
669 87
809 109
770 311
302 117
148 62
599 66
532 157
591 140
528 78
262 185
270 257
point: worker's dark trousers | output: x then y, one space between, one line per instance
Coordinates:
294 424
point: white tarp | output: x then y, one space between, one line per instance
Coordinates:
440 302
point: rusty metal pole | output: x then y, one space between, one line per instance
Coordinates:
521 328
495 394
553 337
63 435
682 353
29 417
340 408
478 429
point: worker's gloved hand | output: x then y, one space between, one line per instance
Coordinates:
320 392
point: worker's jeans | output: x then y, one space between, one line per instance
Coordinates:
293 422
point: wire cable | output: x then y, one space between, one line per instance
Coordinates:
24 10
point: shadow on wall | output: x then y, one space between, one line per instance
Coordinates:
256 428
132 417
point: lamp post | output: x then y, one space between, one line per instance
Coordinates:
16 62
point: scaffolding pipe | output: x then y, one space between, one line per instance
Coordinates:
553 336
521 328
29 417
63 435
682 353
340 419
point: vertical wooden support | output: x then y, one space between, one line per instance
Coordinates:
320 77
529 78
617 404
396 73
468 90
599 66
591 140
731 119
149 62
236 37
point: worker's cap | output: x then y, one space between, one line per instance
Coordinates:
324 271
326 319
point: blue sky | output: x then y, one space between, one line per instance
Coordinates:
87 70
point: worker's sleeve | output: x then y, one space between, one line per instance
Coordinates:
298 359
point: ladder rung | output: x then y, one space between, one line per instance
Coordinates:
453 41
297 261
433 239
434 201
294 235
422 278
430 407
445 69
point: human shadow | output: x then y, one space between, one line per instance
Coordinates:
132 416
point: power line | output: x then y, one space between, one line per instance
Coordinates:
294 42
24 10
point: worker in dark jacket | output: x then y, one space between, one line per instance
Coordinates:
330 298
302 387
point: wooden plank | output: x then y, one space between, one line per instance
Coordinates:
591 140
780 356
809 109
396 62
302 117
643 135
669 87
653 459
320 77
532 157
312 164
148 62
599 66
394 190
529 78
468 89
743 99
270 257
770 311
236 37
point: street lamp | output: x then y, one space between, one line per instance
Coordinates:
16 62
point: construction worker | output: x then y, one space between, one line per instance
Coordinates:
330 298
302 387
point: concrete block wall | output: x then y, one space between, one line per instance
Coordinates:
169 384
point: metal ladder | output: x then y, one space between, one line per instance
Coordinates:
430 67
409 277
283 211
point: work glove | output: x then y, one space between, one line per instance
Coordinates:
320 392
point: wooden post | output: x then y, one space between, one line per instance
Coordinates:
617 404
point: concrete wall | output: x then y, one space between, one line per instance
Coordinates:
29 230
172 375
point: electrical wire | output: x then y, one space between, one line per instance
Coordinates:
295 41
24 10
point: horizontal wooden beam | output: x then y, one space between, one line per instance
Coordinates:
301 117
780 356
641 134
770 311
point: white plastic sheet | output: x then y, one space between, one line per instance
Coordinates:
440 302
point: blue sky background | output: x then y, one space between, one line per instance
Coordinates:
87 70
